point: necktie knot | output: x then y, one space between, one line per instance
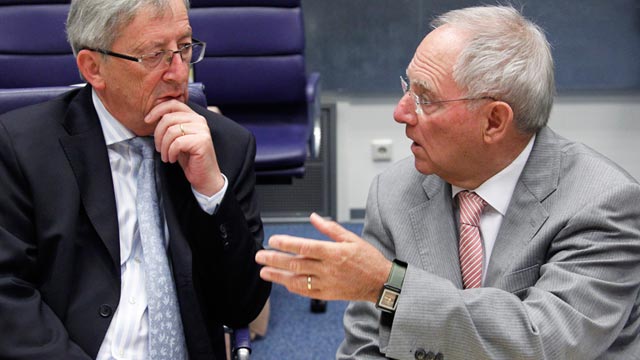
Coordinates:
144 146
471 206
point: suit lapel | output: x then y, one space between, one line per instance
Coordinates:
87 153
176 198
525 214
172 205
435 231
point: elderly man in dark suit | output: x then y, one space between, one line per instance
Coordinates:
507 240
96 262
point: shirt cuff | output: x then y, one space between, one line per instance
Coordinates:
210 204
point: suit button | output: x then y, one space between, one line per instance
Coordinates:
223 231
439 356
422 354
105 310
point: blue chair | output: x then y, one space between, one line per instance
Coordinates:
11 99
254 71
19 97
33 47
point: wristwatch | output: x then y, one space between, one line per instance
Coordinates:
388 300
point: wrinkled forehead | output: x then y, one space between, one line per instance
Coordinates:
436 56
153 24
440 48
174 9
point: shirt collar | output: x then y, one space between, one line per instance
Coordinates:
498 189
113 130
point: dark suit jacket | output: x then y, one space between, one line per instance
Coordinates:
59 244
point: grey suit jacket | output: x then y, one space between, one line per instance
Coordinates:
563 280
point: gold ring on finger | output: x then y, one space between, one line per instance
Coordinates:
182 130
309 282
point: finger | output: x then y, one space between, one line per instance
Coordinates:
168 128
167 132
161 115
314 249
194 145
332 229
177 136
293 263
166 107
175 130
298 284
310 284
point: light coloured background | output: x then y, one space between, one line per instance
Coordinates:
607 123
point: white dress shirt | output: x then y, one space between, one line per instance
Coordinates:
497 192
127 336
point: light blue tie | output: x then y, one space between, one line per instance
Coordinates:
166 336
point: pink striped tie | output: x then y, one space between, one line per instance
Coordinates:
470 248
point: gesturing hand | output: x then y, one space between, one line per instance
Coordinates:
347 269
184 136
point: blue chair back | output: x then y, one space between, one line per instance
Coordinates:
254 71
11 99
33 47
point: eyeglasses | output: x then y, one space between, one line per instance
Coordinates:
189 53
406 89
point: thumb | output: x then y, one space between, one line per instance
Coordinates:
332 229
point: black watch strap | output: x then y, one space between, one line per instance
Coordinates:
388 299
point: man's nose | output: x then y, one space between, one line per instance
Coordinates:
404 112
176 57
178 68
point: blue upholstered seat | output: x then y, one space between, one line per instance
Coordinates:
254 71
14 98
33 46
254 68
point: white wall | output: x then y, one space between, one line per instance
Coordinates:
609 124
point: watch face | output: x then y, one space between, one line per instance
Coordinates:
388 299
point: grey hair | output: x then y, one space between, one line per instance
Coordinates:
98 23
507 58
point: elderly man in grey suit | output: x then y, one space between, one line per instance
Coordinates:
499 239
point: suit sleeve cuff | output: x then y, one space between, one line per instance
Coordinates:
210 204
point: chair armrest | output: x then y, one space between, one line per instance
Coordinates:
241 343
313 87
313 112
196 93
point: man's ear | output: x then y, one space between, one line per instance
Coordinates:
499 116
89 64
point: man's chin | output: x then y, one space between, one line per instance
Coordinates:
144 129
422 167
